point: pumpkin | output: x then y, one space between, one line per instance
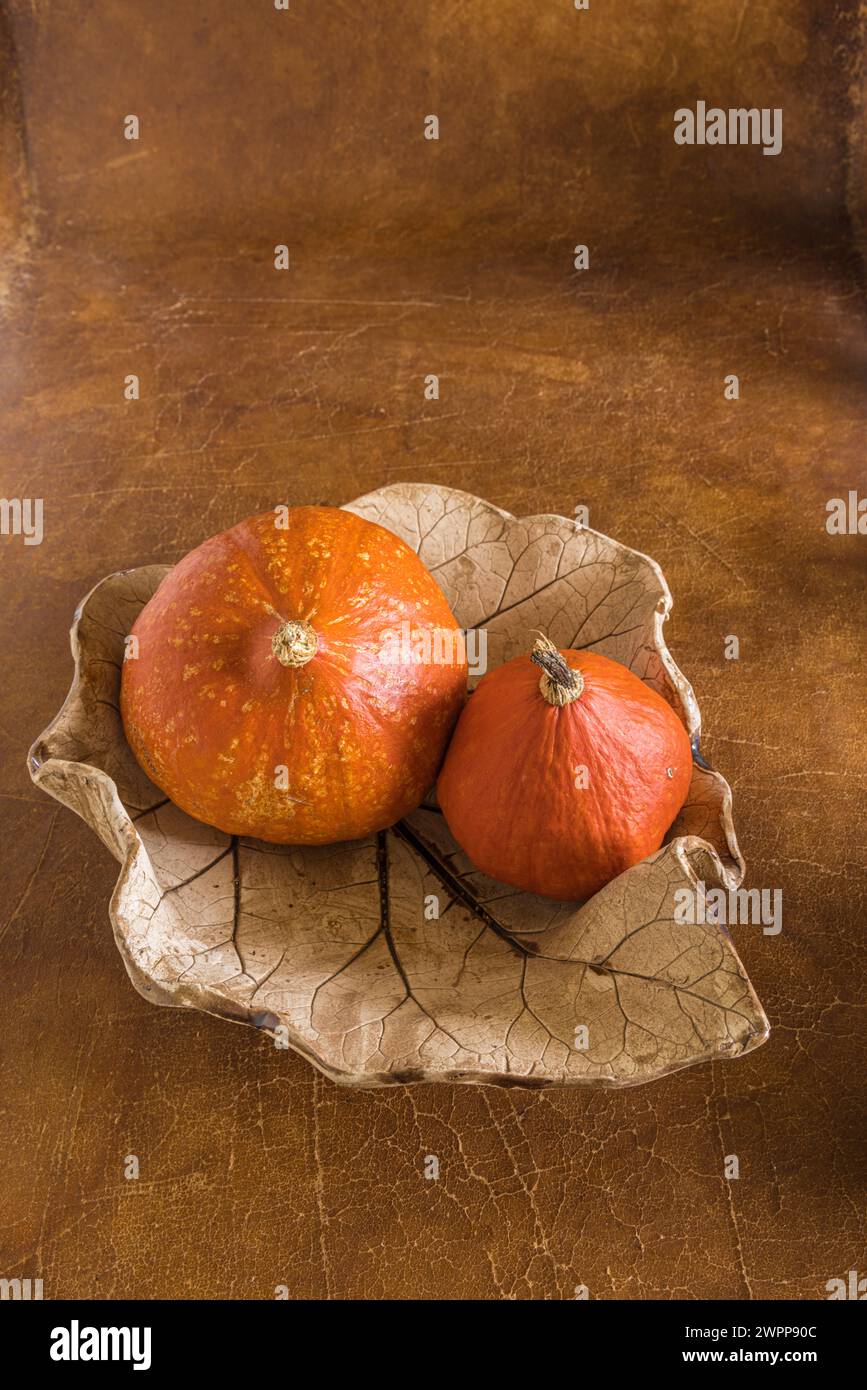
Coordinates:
564 770
295 679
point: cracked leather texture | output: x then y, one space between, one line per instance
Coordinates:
557 389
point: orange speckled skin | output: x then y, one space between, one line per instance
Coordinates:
211 714
508 785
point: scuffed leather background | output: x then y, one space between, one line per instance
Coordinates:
411 257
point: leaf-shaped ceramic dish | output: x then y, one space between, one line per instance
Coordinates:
391 960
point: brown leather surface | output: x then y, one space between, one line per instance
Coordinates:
558 388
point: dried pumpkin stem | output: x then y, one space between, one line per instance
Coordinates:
294 643
559 684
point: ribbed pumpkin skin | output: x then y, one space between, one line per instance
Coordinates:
508 784
211 714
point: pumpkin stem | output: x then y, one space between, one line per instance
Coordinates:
294 643
559 684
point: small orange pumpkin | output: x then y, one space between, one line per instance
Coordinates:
295 679
557 783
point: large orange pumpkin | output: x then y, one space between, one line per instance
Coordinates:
295 678
557 782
